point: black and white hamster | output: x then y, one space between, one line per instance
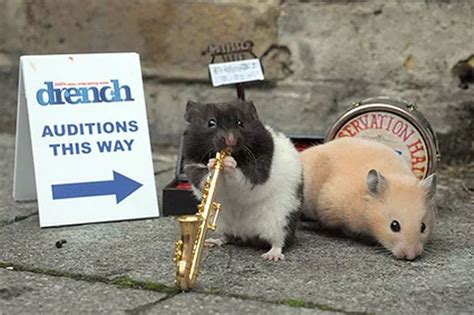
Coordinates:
261 190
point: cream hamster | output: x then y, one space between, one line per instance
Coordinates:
261 188
366 188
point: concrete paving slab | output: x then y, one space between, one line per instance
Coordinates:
192 303
29 293
142 249
324 269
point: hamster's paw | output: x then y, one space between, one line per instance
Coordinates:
211 164
212 242
274 254
229 164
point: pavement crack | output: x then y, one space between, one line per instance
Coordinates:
296 303
17 218
121 282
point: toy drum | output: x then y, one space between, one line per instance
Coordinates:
395 123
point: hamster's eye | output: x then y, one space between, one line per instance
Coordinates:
212 123
423 227
395 226
240 123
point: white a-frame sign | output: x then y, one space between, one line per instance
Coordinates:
82 146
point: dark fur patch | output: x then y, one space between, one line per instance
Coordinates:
256 242
195 174
256 166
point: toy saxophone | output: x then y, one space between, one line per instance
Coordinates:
194 230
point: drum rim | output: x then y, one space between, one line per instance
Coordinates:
400 108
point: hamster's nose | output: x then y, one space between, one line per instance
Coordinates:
410 254
230 140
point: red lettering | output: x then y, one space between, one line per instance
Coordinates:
382 118
399 124
417 159
349 131
417 145
389 123
356 126
374 123
365 121
404 133
342 134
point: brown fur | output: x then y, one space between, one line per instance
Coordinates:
337 194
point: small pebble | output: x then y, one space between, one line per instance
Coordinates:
59 244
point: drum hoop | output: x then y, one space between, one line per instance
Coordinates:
385 104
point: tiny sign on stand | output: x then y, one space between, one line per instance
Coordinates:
236 68
82 146
235 72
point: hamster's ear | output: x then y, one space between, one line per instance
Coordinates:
251 109
191 110
429 186
376 183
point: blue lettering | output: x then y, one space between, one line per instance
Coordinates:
70 93
118 88
83 95
59 132
114 146
129 144
108 127
121 126
103 95
118 146
58 99
47 131
72 129
73 148
55 148
49 92
104 146
133 125
86 148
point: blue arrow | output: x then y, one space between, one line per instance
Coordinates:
121 186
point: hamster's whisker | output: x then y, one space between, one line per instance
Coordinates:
205 154
429 248
200 152
382 250
249 153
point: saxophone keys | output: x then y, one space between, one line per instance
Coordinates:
216 207
179 251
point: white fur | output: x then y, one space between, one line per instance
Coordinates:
249 211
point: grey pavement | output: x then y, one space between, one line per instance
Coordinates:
126 267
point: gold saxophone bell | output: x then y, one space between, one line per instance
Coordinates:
194 229
184 249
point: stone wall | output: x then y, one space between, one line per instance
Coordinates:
319 56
